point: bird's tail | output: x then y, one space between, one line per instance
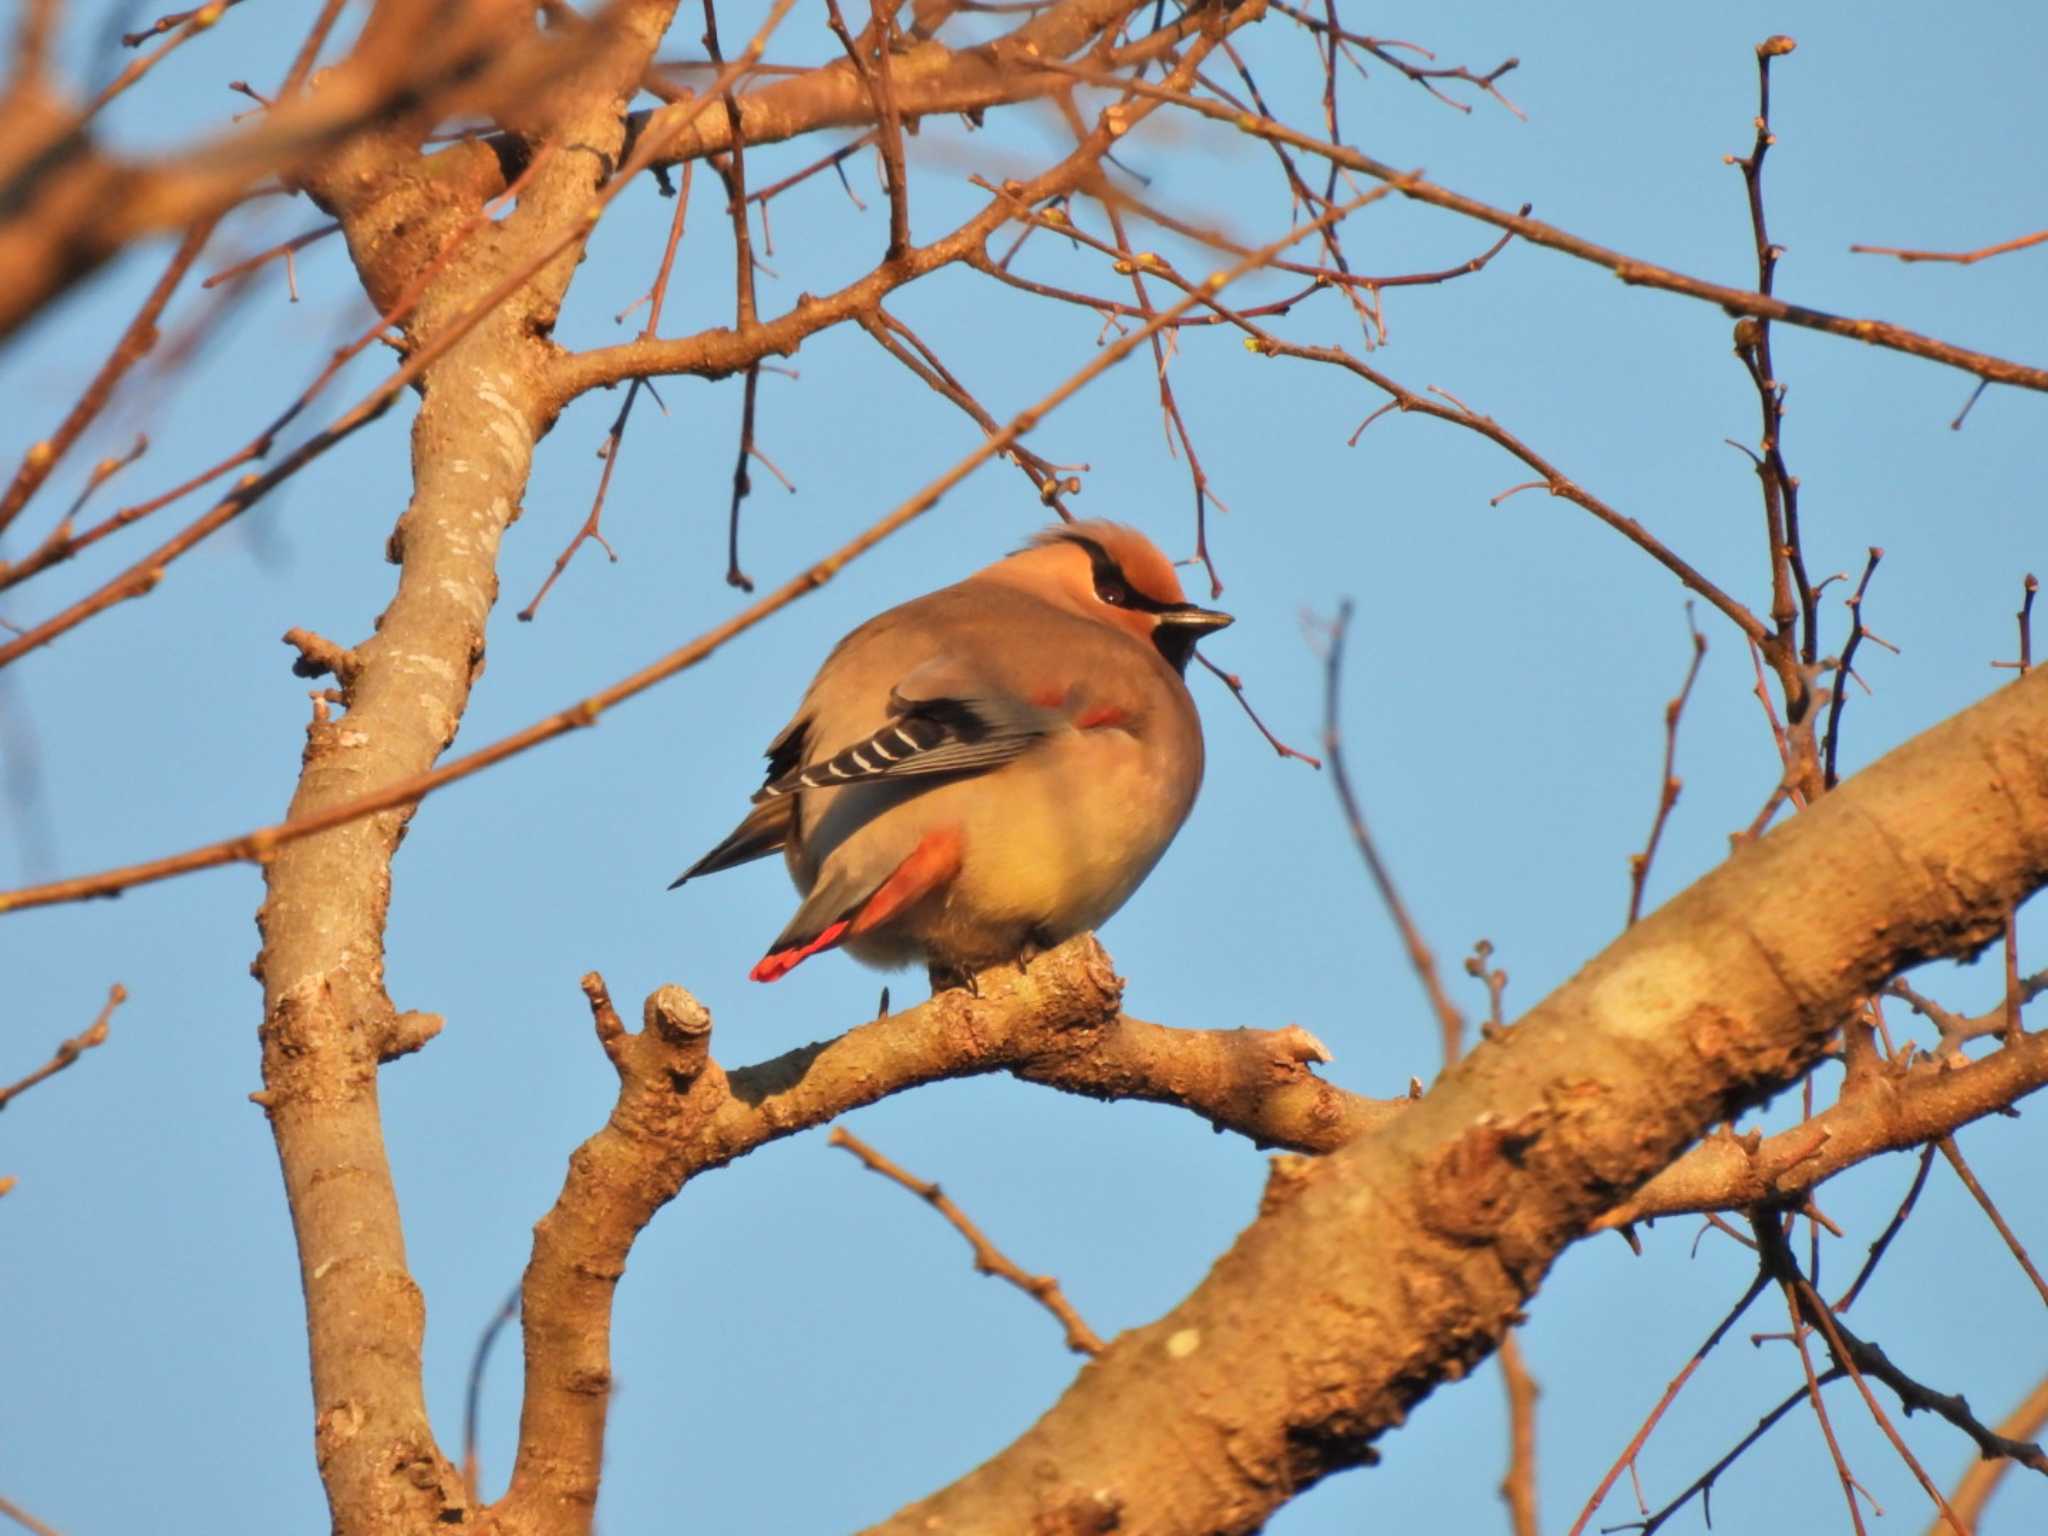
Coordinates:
766 828
837 910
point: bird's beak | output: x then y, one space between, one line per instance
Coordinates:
1200 621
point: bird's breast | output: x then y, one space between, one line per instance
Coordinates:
1077 826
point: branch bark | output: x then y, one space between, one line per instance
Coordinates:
1399 1261
1903 1104
328 1021
679 1114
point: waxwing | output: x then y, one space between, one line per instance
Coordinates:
988 770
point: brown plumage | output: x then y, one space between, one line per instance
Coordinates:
990 769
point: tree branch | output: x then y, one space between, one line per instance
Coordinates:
69 205
404 793
1974 1489
1399 1261
1902 1105
328 1021
1055 1022
720 353
70 1050
1736 301
988 1258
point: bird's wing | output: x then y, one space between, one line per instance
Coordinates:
766 828
941 721
764 831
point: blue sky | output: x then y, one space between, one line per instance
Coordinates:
800 1347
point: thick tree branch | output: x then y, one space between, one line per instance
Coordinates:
1398 1262
679 1114
327 1019
928 78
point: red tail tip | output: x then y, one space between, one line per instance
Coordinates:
778 965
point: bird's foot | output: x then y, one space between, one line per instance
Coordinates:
946 978
1036 944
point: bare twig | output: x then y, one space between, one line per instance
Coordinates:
1669 784
1134 265
1634 1448
880 79
1518 1485
592 521
1954 1154
988 1259
1960 258
142 577
1862 1358
2016 993
70 1050
1702 1486
1955 1028
173 19
1891 1230
732 170
1383 50
135 344
1629 269
1808 1310
2026 621
1450 1022
1235 684
1928 1099
309 50
286 248
743 483
1046 478
835 161
25 1520
1850 1487
260 844
472 1397
1839 693
189 23
1792 647
655 297
1974 1489
1494 979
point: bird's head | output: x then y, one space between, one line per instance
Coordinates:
1114 575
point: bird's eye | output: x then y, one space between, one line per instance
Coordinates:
1112 591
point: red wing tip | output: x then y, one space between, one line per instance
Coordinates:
778 965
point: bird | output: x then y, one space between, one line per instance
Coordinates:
983 772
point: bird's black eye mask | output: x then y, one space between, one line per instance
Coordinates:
1175 642
1113 587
